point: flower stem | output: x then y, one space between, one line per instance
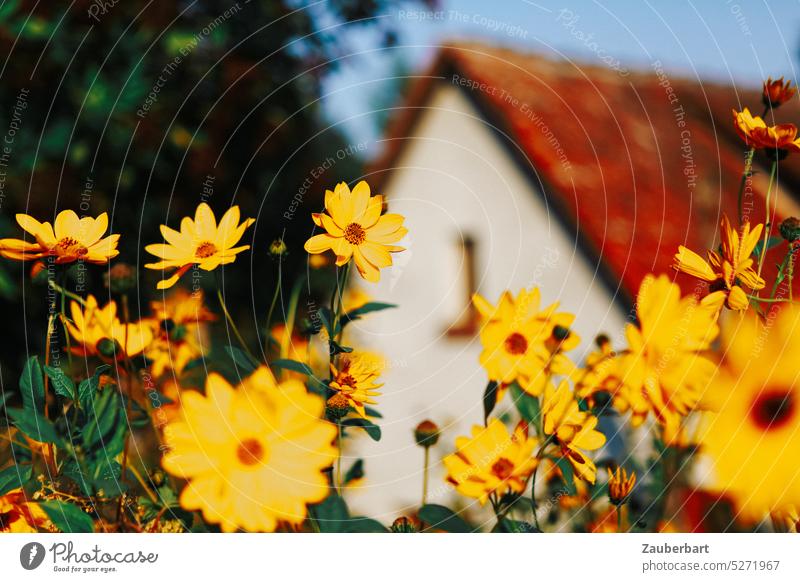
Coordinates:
748 170
425 466
768 219
619 518
233 324
274 301
338 479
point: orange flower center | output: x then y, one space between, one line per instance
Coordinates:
70 246
205 250
502 469
250 452
355 234
773 409
516 344
347 380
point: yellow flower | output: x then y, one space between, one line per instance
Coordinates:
91 325
754 437
665 371
356 379
620 485
492 461
573 431
18 515
254 455
758 134
727 270
177 325
71 239
200 242
523 344
355 228
777 92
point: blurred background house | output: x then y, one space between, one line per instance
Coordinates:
514 171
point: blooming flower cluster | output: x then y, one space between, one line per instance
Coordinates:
247 442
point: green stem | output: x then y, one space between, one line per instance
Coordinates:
768 220
338 481
274 301
748 170
425 466
233 324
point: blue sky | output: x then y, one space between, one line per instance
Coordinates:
730 41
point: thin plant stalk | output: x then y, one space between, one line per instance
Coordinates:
425 467
769 215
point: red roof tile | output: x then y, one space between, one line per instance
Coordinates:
638 164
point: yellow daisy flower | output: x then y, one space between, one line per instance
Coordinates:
356 379
254 455
91 325
754 436
200 242
727 270
665 371
18 515
178 326
71 239
492 461
355 228
573 431
522 343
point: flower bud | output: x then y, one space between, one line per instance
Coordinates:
790 229
777 92
108 348
120 279
278 248
620 485
337 406
426 434
404 524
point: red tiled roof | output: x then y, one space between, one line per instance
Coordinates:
637 164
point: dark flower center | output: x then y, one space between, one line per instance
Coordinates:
71 246
205 250
250 452
502 469
773 409
354 234
516 344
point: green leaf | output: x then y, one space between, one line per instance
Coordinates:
327 318
88 387
14 477
242 360
489 399
371 412
34 426
508 525
527 405
31 384
294 366
101 418
373 430
331 515
440 517
62 384
772 242
336 348
367 308
68 517
356 471
567 475
364 525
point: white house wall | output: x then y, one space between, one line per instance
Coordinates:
454 178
